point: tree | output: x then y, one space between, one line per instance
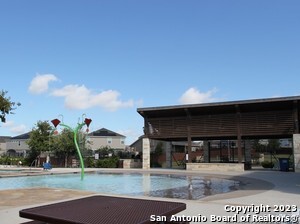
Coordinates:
84 144
6 105
42 139
267 146
63 145
154 160
104 151
261 148
39 140
273 145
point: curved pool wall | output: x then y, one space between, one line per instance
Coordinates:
10 170
137 184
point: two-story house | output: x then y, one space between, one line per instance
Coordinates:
17 146
3 143
106 138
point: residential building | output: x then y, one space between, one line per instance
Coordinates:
17 146
106 138
3 143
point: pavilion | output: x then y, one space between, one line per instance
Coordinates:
269 118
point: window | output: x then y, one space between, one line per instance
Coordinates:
109 140
122 141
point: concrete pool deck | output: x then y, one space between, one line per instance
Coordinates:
258 188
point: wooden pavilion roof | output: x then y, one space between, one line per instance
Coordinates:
257 118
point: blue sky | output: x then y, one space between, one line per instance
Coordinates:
105 59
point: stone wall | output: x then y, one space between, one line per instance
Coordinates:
222 167
146 153
296 145
131 163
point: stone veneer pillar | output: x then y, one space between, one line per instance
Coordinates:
296 146
206 151
168 155
146 153
248 159
248 146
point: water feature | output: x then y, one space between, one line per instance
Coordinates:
155 185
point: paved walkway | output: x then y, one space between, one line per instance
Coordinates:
261 193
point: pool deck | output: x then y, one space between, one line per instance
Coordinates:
259 187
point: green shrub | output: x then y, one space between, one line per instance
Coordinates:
7 160
90 162
111 162
267 164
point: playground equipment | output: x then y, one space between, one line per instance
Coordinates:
86 122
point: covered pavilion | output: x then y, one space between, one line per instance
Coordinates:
269 118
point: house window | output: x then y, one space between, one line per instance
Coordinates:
109 140
122 141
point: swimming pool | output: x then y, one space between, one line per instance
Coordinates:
137 184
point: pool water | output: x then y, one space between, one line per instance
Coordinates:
155 185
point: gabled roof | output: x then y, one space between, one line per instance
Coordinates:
139 139
266 104
103 132
22 136
3 139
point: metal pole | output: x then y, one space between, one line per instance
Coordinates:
78 150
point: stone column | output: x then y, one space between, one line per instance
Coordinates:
168 154
146 153
206 151
248 147
296 146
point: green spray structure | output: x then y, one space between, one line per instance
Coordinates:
86 122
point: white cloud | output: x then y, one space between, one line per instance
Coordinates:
79 97
16 129
19 129
193 96
40 83
8 124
